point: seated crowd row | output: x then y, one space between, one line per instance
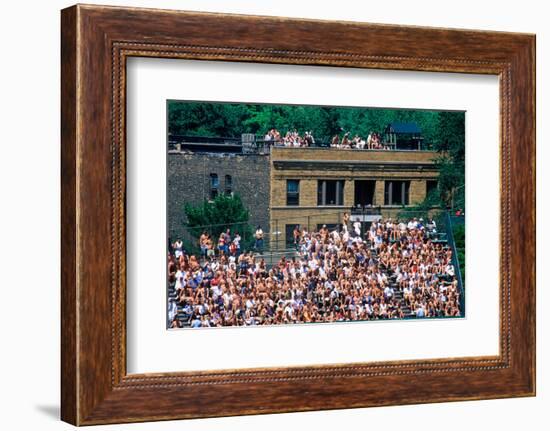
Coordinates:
294 139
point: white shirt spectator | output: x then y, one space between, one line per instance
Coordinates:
357 227
178 249
180 284
450 270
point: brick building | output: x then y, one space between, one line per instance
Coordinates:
315 186
199 176
284 187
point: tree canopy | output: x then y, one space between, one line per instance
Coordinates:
233 119
224 212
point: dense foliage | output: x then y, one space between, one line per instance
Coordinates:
459 234
224 212
233 119
449 140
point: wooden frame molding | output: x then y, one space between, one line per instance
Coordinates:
96 42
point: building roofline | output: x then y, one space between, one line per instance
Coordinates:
352 165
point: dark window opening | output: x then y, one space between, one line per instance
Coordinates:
228 185
431 187
214 186
396 192
292 192
364 193
330 192
330 226
289 234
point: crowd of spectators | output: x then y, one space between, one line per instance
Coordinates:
226 244
373 142
339 275
293 139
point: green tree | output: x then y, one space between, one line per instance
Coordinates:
224 212
449 142
459 234
445 133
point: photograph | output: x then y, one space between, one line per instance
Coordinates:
293 214
267 216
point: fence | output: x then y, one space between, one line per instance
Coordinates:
279 235
451 221
191 235
276 238
255 144
282 228
173 140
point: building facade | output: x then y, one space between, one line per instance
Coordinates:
315 186
287 187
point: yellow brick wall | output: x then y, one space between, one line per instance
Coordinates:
349 193
379 193
308 192
417 192
278 192
352 175
309 212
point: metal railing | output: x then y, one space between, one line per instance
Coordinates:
263 146
271 248
451 242
190 235
366 210
277 237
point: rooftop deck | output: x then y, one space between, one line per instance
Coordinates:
255 145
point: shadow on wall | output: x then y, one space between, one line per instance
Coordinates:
52 411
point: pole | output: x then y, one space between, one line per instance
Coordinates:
277 233
453 195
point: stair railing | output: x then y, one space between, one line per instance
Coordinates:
456 263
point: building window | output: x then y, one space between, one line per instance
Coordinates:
396 192
330 192
214 186
364 193
289 234
329 226
292 192
228 185
431 187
